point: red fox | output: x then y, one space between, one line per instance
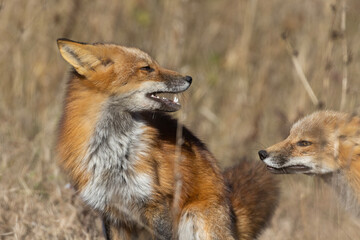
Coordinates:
119 148
326 144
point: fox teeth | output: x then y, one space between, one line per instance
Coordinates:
176 100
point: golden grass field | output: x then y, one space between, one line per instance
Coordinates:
246 92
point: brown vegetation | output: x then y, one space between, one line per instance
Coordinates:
249 59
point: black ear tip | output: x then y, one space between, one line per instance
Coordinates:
64 40
59 40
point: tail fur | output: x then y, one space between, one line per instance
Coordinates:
253 194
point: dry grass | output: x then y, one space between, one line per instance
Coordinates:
244 97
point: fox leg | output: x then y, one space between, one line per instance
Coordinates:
118 231
208 223
106 228
158 219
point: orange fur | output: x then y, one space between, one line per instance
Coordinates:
73 136
254 197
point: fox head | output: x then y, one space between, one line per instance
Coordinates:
128 75
320 143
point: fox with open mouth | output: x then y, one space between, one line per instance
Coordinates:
120 150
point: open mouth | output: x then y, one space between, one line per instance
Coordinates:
289 169
169 99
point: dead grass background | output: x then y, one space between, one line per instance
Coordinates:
244 97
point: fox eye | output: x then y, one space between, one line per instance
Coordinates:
303 143
147 69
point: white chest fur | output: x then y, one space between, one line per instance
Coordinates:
115 148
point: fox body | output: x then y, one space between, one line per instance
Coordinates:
326 144
120 150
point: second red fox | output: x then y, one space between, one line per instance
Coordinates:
119 148
325 144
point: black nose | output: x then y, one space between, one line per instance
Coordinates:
188 79
263 154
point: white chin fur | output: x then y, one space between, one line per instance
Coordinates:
315 165
138 100
307 161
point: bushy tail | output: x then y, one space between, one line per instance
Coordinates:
254 194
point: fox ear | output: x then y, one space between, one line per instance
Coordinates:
80 55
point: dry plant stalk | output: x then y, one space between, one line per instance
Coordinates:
329 49
172 34
344 57
238 56
300 72
177 173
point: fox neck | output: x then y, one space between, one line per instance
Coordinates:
96 132
115 150
116 131
347 186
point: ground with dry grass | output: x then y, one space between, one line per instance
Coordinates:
246 93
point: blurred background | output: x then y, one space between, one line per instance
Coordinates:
250 61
